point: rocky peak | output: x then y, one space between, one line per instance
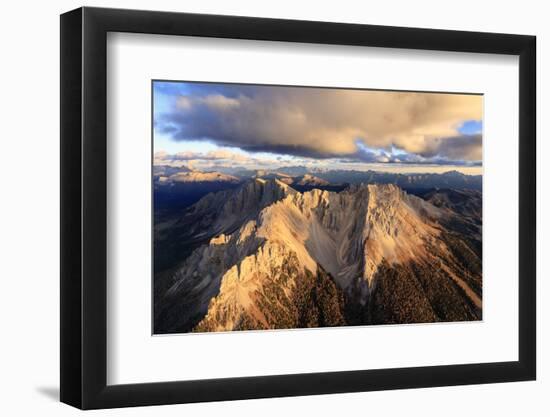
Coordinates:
265 238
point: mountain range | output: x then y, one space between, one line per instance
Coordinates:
179 187
296 249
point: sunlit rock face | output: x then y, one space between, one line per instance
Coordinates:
265 256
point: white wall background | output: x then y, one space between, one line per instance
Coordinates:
29 237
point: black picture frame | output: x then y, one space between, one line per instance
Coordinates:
84 207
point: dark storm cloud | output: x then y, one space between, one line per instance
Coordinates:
455 147
326 123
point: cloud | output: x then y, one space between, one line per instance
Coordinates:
326 123
211 159
219 154
459 151
455 147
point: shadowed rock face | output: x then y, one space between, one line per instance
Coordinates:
264 256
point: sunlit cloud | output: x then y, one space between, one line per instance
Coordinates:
213 126
327 123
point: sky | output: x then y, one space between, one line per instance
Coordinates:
210 126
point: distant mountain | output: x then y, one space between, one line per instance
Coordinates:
197 176
451 179
287 179
467 203
306 178
178 188
263 256
166 170
295 170
310 180
164 174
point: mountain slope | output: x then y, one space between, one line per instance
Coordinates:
381 254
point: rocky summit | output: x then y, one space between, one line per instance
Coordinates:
264 255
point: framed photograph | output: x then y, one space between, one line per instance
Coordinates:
256 208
